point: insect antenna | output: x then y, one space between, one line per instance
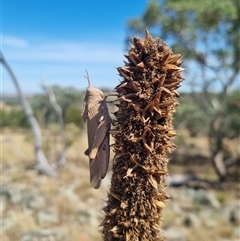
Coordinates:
87 77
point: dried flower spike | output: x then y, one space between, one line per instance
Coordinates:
142 133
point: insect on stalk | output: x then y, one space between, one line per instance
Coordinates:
95 113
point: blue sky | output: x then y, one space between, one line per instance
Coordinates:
56 40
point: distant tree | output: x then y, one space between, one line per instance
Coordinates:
13 118
73 115
10 100
207 33
231 128
58 112
65 97
195 122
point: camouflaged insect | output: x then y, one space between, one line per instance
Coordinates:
95 114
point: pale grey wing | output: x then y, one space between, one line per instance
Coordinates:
95 173
99 165
103 156
94 163
92 124
104 124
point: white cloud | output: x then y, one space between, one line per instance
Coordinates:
61 51
13 41
61 62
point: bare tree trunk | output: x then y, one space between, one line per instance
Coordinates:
62 159
216 146
218 163
42 162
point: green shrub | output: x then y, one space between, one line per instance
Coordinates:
73 115
13 118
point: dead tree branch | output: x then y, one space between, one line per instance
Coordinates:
42 163
52 99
